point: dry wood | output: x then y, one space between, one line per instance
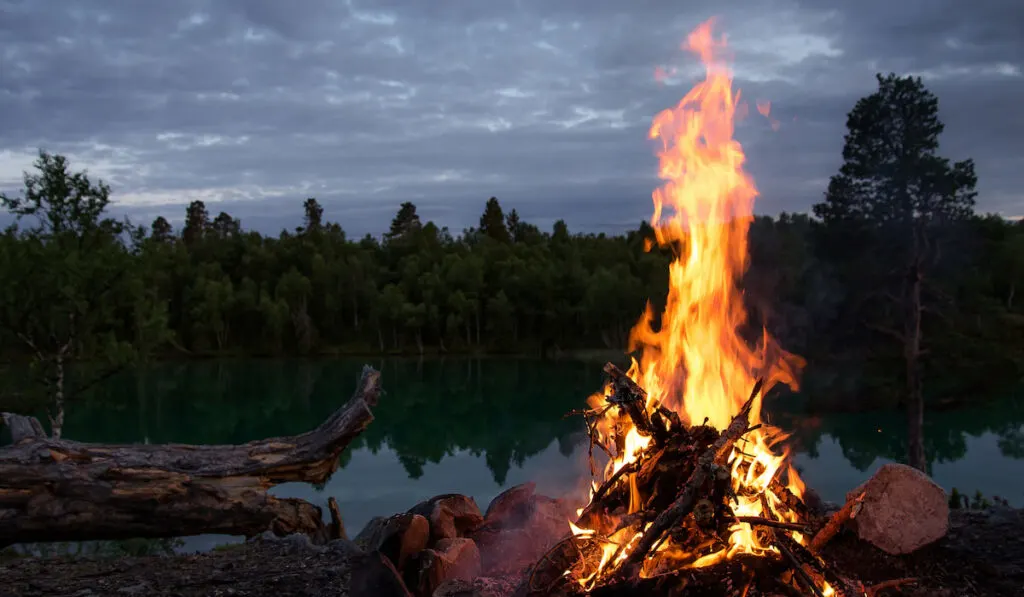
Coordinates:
62 490
798 569
336 530
684 503
875 589
845 514
22 427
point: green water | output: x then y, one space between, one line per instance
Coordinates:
479 426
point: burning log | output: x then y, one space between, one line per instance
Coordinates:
680 511
708 465
62 490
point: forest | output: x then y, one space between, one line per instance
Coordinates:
893 285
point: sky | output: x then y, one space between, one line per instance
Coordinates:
254 105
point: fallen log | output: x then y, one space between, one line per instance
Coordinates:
62 490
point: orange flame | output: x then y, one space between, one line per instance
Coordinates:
694 358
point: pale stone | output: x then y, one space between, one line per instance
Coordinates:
903 510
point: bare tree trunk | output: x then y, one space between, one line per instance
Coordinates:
61 490
1009 298
57 418
912 356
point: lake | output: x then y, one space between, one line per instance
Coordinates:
478 426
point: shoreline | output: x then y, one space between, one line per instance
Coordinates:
982 555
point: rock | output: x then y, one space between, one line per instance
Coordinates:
298 543
511 506
450 559
903 510
522 534
373 575
451 515
343 548
398 537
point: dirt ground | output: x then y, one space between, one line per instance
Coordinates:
983 555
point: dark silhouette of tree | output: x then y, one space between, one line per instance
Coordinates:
514 224
405 222
197 220
162 230
892 196
313 215
492 222
224 226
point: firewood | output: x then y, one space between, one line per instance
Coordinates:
62 490
845 514
713 457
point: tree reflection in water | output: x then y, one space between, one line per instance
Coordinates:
504 410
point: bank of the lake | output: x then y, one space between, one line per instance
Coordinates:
477 426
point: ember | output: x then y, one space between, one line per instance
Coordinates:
695 484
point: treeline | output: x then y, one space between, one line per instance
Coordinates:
892 261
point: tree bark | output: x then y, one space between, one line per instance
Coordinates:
61 490
912 356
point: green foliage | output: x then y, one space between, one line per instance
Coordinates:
958 500
823 286
74 282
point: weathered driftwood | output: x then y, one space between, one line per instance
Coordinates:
62 490
22 427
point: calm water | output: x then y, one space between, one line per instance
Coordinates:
479 426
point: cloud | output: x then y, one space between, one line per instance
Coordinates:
253 105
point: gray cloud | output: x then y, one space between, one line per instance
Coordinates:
252 105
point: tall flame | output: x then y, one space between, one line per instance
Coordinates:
694 358
710 199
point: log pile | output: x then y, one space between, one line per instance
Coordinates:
672 517
444 544
62 490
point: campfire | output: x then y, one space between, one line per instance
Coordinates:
695 483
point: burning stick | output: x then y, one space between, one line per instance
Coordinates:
765 522
633 399
799 569
845 514
683 505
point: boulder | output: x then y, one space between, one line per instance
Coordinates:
450 515
398 537
903 510
449 560
519 528
511 506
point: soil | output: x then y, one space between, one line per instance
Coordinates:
982 555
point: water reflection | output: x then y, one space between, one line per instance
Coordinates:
477 426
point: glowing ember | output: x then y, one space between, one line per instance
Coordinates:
694 361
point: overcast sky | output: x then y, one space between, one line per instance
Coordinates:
253 105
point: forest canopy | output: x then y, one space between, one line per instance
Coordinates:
82 286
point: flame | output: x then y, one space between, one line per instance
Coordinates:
693 357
